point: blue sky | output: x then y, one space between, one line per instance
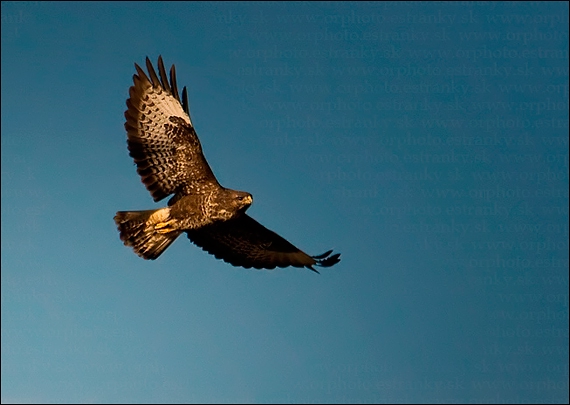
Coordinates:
428 143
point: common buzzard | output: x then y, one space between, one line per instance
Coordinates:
164 145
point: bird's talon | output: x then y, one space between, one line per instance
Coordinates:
163 227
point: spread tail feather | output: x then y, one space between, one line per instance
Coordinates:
138 230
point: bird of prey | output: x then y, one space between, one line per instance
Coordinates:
163 143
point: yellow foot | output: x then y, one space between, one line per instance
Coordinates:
164 227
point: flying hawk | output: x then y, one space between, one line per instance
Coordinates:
164 145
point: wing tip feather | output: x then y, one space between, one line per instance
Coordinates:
154 78
325 260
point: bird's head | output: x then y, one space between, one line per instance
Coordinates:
228 204
242 200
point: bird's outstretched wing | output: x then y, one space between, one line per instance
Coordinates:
245 242
161 138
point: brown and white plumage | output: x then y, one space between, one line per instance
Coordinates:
163 143
161 138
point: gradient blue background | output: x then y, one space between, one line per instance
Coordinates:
426 142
